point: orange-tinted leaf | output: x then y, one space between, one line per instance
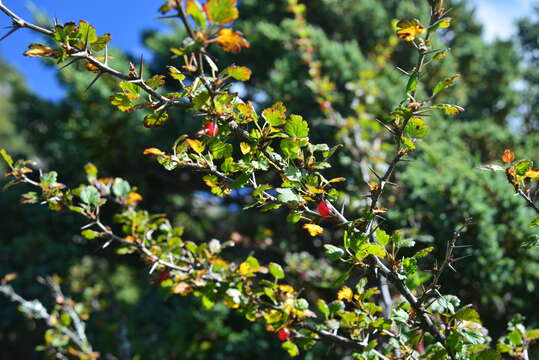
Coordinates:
153 151
408 30
232 41
508 156
221 12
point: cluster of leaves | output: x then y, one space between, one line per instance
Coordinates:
239 147
523 176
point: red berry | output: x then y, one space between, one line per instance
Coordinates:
211 129
284 334
325 106
324 209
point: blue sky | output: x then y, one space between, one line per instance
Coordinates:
124 20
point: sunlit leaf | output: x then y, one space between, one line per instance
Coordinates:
194 9
444 84
155 119
313 229
297 127
240 73
38 50
274 117
221 12
416 128
408 30
231 41
196 145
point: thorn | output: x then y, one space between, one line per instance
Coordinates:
167 16
13 29
375 174
141 65
71 62
154 265
88 225
461 258
403 71
451 267
94 80
86 40
461 246
107 55
391 184
106 244
386 126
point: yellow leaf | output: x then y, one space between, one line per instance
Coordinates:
336 180
533 174
153 151
9 277
245 268
196 145
39 50
245 148
286 288
313 229
408 30
232 41
345 294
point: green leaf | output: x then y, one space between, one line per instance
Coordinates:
522 167
292 173
101 42
416 128
382 237
274 117
276 270
291 348
291 148
175 73
49 177
122 102
489 355
412 83
240 73
287 195
370 249
323 307
220 149
336 306
89 195
155 81
240 181
333 252
155 119
444 84
533 334
6 158
221 12
446 303
87 32
195 11
301 304
468 314
448 109
120 187
297 127
90 234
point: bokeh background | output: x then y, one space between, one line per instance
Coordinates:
48 116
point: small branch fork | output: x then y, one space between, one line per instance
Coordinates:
36 310
86 55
